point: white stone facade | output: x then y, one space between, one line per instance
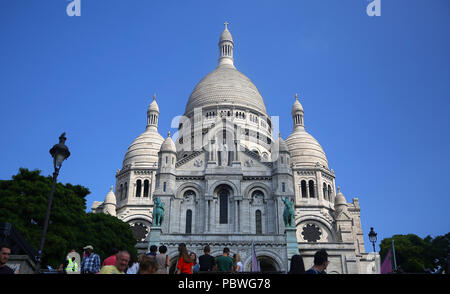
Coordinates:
223 180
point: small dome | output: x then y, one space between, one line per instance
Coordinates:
340 198
168 145
282 145
143 152
226 35
304 149
153 106
297 106
110 197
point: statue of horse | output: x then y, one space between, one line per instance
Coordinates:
288 214
158 212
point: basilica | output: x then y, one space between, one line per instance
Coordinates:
226 179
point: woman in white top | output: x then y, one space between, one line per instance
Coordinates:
238 267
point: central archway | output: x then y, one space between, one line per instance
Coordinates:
266 264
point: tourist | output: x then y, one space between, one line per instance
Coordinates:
224 262
153 251
147 265
63 267
123 258
111 260
133 265
207 262
297 266
238 267
184 265
196 266
91 261
320 263
162 260
5 252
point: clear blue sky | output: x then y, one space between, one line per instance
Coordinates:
375 89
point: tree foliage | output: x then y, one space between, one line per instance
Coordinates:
416 255
23 202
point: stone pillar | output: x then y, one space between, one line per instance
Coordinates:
319 181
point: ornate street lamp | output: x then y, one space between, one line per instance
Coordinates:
373 238
59 152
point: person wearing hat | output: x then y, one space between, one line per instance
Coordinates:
91 262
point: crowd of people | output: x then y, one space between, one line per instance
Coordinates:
156 261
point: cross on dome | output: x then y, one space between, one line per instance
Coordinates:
226 25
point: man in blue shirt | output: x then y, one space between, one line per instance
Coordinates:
91 262
320 263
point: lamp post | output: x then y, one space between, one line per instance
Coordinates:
373 238
59 152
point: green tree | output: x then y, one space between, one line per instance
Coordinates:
416 255
23 202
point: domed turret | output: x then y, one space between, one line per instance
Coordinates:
297 109
110 203
153 106
168 145
340 204
340 198
226 46
304 149
283 147
143 152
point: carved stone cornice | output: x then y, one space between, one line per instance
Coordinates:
256 178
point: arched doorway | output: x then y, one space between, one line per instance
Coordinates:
266 264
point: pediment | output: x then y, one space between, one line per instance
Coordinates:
194 161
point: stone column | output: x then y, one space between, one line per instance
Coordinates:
320 195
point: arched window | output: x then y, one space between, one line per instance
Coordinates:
146 188
223 199
283 187
138 188
164 187
258 222
329 193
121 192
311 189
304 195
125 191
325 193
188 221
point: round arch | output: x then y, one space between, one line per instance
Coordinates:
269 262
233 187
189 186
134 217
257 186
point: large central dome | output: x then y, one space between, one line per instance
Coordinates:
225 85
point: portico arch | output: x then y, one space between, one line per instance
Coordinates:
268 262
